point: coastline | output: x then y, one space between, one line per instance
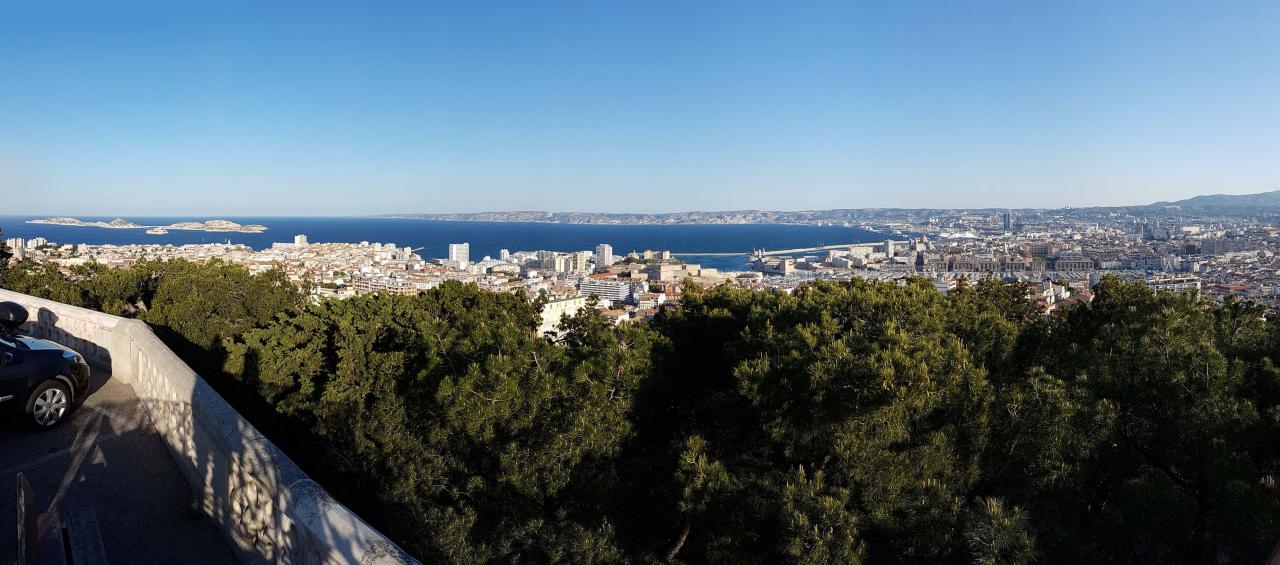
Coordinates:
866 227
485 237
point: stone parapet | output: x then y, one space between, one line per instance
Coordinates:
268 509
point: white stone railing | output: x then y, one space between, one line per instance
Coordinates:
269 510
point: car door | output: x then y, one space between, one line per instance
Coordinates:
12 380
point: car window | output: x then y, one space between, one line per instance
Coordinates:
33 343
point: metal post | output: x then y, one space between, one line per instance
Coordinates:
28 526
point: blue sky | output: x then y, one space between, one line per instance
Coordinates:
277 108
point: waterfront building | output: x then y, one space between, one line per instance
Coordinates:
460 253
649 255
774 265
676 271
300 240
860 251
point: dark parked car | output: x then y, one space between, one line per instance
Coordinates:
38 377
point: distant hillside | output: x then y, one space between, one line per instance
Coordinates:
851 216
1229 202
1223 204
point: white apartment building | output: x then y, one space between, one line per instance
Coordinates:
604 255
365 284
552 312
613 290
581 261
1174 283
460 253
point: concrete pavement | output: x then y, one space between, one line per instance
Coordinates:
109 457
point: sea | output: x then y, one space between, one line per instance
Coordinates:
486 238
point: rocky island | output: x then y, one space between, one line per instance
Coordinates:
120 223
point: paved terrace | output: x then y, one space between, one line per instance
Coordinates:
109 457
174 473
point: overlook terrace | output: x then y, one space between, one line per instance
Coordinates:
158 448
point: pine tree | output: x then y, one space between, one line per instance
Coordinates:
5 256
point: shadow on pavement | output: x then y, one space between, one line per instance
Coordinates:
108 456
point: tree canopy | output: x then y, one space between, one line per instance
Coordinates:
850 422
5 255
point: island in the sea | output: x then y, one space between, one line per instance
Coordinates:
122 224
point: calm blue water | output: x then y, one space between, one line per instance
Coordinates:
486 238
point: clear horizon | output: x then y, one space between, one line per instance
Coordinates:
142 109
657 213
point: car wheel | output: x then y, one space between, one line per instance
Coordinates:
49 404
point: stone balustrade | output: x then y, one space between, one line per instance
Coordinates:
268 509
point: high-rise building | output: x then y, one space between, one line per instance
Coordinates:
299 239
604 255
504 255
460 252
36 242
1007 223
581 261
562 263
888 248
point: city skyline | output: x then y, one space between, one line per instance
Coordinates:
151 109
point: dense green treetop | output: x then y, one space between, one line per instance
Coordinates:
5 255
850 422
493 443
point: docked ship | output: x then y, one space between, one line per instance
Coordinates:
157 231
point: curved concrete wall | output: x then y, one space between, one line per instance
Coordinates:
270 511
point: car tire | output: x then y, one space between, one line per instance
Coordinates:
49 404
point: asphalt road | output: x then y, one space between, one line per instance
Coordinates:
108 457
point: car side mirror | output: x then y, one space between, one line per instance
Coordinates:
6 359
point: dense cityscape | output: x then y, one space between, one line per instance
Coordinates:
1063 252
374 366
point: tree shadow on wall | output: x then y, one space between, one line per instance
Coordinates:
295 436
